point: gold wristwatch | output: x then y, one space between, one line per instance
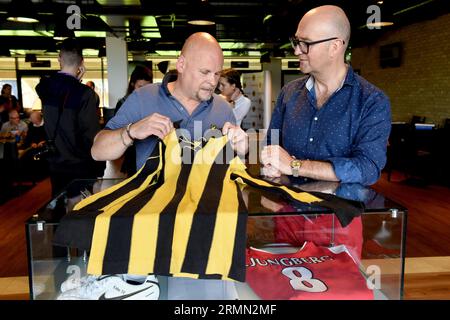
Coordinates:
295 166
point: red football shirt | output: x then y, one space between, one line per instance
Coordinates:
311 273
322 229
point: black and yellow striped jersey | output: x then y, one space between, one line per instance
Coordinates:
173 217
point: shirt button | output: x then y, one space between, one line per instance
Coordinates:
315 118
311 139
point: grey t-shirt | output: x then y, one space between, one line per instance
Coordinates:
7 127
157 98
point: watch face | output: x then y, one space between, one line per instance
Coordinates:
295 163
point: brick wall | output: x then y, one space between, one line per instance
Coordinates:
421 85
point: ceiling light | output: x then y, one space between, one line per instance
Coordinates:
200 22
269 16
379 24
25 33
412 7
22 11
23 19
203 14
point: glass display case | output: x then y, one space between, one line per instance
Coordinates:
293 251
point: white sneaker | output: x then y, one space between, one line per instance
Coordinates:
75 282
114 287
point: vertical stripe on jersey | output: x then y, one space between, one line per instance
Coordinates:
204 219
237 270
167 222
187 207
228 214
146 227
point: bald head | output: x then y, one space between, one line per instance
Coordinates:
201 42
91 85
329 21
36 117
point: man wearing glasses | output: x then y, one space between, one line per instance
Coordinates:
332 124
14 127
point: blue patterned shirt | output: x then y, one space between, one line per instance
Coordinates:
350 130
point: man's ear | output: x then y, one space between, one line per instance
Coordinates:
181 63
335 49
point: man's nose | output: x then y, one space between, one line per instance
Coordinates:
297 51
213 79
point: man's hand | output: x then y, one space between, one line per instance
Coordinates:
154 124
237 137
270 171
276 160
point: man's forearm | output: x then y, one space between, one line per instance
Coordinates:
110 144
318 170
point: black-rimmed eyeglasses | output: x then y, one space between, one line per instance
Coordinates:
304 45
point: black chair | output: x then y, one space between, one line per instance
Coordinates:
421 155
400 149
447 124
442 154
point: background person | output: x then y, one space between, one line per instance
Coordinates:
140 77
11 102
14 127
231 88
65 98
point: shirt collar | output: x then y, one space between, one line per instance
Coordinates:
39 125
68 74
168 77
348 80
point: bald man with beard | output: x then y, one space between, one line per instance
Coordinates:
332 124
186 97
